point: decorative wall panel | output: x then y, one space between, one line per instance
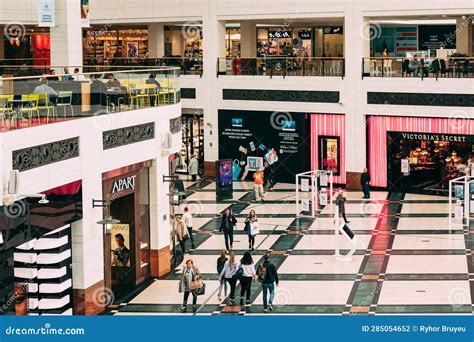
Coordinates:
281 95
421 99
128 135
40 155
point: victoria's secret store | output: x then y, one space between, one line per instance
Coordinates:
418 154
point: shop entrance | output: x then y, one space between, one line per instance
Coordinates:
426 162
127 246
193 139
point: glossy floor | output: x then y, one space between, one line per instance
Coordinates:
409 260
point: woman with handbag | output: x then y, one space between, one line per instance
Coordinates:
248 275
231 267
181 233
190 282
251 228
228 223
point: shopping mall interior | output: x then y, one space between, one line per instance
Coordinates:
338 134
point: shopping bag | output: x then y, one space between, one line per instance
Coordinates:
254 228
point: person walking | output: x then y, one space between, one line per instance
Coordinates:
190 274
251 228
228 223
258 179
188 221
181 233
365 181
221 260
268 176
341 204
248 276
193 167
268 276
228 271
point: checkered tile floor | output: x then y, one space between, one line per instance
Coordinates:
408 259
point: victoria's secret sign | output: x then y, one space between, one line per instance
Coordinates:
437 137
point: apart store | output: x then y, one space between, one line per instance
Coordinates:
418 154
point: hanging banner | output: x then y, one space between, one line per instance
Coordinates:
85 21
46 13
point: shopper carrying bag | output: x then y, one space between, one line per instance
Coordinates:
251 228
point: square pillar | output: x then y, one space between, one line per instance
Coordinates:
156 41
160 249
464 35
248 39
66 36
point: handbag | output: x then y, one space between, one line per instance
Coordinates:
196 284
237 275
247 227
201 290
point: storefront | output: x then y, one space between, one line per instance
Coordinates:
184 41
127 262
103 44
32 48
412 154
193 136
290 143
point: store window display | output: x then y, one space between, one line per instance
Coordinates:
427 165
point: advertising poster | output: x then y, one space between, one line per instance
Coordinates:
85 7
46 13
282 140
224 174
329 151
305 184
120 245
254 163
132 49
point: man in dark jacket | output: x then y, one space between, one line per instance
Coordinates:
268 275
365 181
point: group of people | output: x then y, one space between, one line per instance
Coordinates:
230 271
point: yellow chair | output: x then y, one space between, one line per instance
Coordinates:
6 106
43 104
32 101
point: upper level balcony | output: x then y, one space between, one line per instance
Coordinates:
38 100
421 67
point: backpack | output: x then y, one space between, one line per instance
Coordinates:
262 273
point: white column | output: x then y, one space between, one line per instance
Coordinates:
66 36
464 35
214 47
248 39
356 46
87 235
156 41
159 218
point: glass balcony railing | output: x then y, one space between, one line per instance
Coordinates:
449 67
31 101
281 66
187 65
